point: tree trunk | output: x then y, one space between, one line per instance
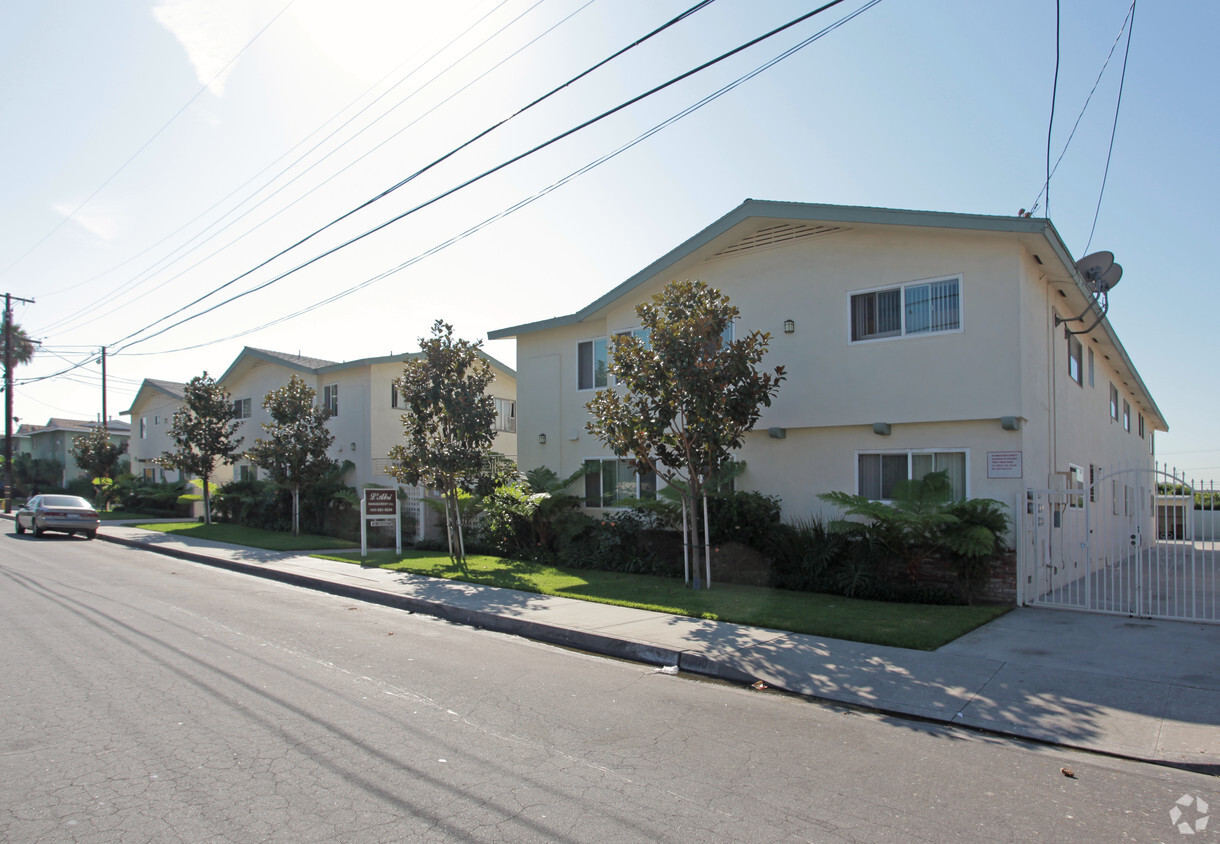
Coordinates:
296 509
693 539
207 502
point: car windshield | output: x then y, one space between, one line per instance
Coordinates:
65 501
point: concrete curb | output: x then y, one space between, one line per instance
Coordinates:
579 640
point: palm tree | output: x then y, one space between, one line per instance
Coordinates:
23 346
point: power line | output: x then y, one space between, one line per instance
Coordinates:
460 186
532 198
384 193
1114 128
1087 100
147 272
148 143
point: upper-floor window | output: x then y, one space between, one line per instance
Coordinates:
241 409
918 308
593 358
143 427
877 473
609 482
1126 416
393 395
506 415
1113 402
1091 367
1141 426
330 399
1075 351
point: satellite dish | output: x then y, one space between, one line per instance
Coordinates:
1109 278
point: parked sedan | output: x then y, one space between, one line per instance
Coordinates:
68 514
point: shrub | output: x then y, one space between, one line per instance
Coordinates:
746 517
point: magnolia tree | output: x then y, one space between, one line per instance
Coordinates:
449 424
686 394
203 431
294 452
99 458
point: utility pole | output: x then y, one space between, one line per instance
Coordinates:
105 427
8 398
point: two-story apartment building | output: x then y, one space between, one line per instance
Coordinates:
913 342
365 417
55 441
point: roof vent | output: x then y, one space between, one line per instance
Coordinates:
778 235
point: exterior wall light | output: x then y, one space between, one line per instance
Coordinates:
789 326
881 429
542 439
1010 423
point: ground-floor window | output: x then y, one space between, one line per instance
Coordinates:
877 473
610 481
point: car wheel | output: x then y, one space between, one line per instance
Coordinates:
89 534
35 529
20 527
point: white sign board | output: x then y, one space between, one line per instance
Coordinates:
1003 464
375 505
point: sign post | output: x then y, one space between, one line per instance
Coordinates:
375 507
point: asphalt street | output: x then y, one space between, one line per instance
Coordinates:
150 699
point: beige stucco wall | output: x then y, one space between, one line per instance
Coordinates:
941 391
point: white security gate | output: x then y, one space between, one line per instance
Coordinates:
1129 542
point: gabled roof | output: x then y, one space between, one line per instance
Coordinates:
300 363
833 216
80 426
171 389
405 356
768 220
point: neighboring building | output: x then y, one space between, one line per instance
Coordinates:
365 417
55 440
151 412
913 342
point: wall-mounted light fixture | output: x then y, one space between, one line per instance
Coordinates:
353 446
789 326
542 439
1010 423
881 429
777 433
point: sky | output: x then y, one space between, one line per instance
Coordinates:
156 150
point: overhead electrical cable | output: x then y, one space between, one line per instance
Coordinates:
149 142
530 199
1096 82
169 260
1113 129
384 193
461 186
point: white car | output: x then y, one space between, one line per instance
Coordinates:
68 514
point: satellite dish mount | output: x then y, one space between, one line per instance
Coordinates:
1100 274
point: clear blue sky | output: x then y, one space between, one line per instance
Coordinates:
155 149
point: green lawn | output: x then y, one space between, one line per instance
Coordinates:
920 626
252 537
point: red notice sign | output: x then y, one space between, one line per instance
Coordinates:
380 502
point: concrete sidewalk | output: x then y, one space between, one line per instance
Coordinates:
1140 689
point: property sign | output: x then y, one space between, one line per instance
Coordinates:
374 507
1004 464
380 502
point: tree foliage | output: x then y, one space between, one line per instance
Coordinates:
294 452
690 394
23 346
449 425
204 434
96 455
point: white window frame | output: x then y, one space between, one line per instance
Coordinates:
601 459
143 427
1126 416
1092 367
910 453
593 347
506 423
1114 403
1075 359
330 398
393 396
241 408
903 288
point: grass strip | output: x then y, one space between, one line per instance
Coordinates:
269 540
917 626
